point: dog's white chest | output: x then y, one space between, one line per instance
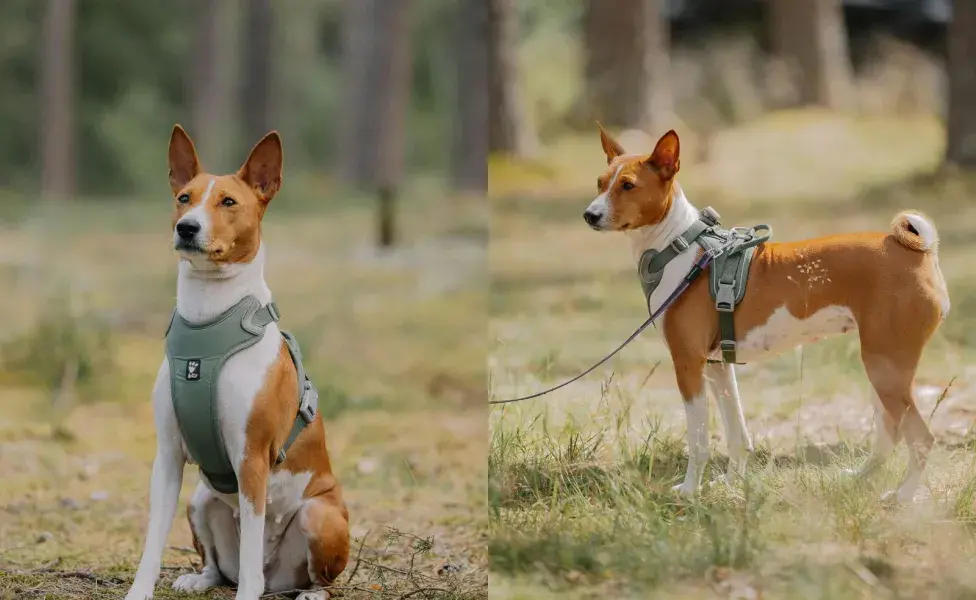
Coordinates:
782 331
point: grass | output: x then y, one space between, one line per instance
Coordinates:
394 342
579 481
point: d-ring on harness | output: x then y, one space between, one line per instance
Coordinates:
730 250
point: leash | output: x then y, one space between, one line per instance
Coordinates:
693 274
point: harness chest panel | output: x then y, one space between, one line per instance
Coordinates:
732 251
196 354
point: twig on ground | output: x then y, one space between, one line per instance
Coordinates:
422 590
942 397
649 375
355 567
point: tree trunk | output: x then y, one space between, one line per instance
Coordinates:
258 47
470 155
210 81
57 100
810 37
509 130
627 64
961 125
377 64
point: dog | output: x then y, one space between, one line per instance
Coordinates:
887 287
287 525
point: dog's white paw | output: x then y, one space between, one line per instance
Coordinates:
892 497
724 479
316 595
685 490
196 582
139 592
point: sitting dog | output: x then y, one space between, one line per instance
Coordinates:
231 396
886 286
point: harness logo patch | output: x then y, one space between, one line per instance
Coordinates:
193 369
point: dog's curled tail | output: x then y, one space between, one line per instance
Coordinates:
915 232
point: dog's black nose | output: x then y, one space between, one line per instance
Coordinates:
591 218
187 228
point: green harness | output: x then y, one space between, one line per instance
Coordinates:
196 354
733 250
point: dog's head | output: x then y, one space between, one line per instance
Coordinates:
217 218
635 189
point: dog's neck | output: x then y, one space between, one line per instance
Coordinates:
678 219
204 289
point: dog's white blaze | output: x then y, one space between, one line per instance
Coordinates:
199 214
782 331
601 204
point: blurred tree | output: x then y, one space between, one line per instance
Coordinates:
376 80
470 154
961 127
627 63
258 56
57 100
509 130
810 36
210 81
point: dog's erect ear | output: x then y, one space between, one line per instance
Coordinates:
262 169
183 162
665 158
610 146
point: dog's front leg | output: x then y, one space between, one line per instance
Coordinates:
164 488
721 380
253 479
691 384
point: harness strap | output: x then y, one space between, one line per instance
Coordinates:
307 395
651 265
308 398
196 353
732 249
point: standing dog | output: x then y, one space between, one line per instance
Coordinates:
284 524
888 287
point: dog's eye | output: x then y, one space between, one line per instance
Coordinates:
627 185
228 202
183 198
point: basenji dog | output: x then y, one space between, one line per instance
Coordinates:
886 286
287 526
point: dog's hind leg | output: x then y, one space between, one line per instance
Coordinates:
892 378
721 380
887 434
203 513
325 523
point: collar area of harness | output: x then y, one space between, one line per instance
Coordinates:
196 354
731 251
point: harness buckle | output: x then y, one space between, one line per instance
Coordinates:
308 402
273 311
679 245
726 346
725 297
710 216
